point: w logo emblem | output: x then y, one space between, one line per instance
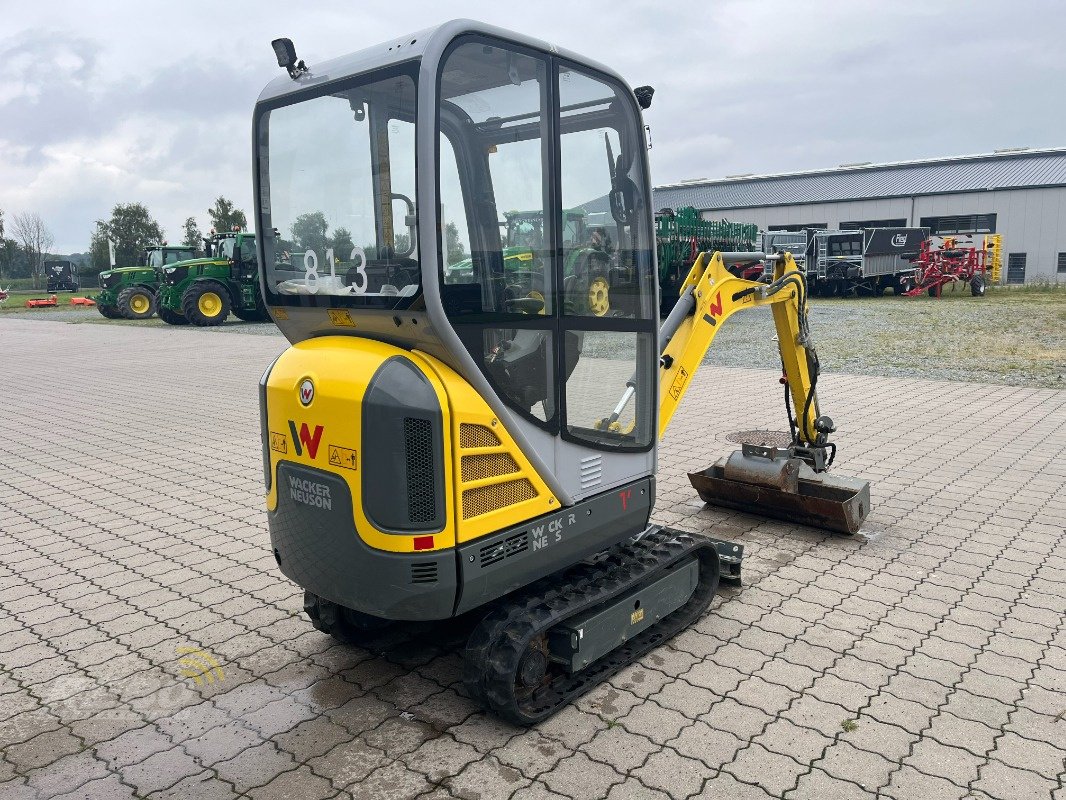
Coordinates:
304 438
199 665
307 392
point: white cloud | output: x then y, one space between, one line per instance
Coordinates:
119 101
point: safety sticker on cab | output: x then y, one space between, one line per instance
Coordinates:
278 443
341 317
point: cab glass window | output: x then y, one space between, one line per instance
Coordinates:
337 174
607 261
496 238
493 123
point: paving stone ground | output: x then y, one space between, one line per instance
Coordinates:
922 658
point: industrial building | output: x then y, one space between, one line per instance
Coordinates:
1019 194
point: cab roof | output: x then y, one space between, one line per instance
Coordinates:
427 42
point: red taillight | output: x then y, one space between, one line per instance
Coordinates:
423 543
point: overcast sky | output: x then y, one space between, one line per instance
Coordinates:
110 102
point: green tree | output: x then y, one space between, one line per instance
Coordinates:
454 247
132 229
12 262
309 230
342 243
193 238
225 216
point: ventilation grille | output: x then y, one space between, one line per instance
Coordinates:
591 471
484 499
512 545
418 449
487 465
424 572
471 435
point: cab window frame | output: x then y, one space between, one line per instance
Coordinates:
579 322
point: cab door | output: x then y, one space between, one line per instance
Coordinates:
563 328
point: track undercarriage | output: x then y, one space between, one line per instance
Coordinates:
542 647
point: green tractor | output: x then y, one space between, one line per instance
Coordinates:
130 292
204 291
587 252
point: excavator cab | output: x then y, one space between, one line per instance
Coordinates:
454 429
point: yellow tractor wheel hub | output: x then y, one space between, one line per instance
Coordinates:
535 295
599 297
140 303
210 304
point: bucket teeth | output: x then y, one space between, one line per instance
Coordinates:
775 488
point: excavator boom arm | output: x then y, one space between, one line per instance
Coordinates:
709 296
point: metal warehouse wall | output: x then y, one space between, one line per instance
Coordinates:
1031 221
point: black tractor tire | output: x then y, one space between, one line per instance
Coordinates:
977 286
136 302
206 303
109 312
343 624
171 317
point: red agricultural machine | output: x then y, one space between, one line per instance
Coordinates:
953 262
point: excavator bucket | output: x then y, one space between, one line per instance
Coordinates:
772 482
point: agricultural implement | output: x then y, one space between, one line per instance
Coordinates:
435 448
204 291
681 235
954 262
860 262
42 302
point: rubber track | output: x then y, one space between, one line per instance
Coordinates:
497 644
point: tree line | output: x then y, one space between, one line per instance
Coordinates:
26 241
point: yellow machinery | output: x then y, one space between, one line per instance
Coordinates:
457 433
993 257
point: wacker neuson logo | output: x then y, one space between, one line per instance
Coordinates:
310 493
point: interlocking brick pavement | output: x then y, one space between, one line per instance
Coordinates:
925 657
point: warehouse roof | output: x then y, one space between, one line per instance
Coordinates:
1014 169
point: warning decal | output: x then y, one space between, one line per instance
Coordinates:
679 383
340 317
277 442
343 457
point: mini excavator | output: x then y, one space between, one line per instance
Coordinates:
456 432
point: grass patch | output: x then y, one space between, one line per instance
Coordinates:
16 299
